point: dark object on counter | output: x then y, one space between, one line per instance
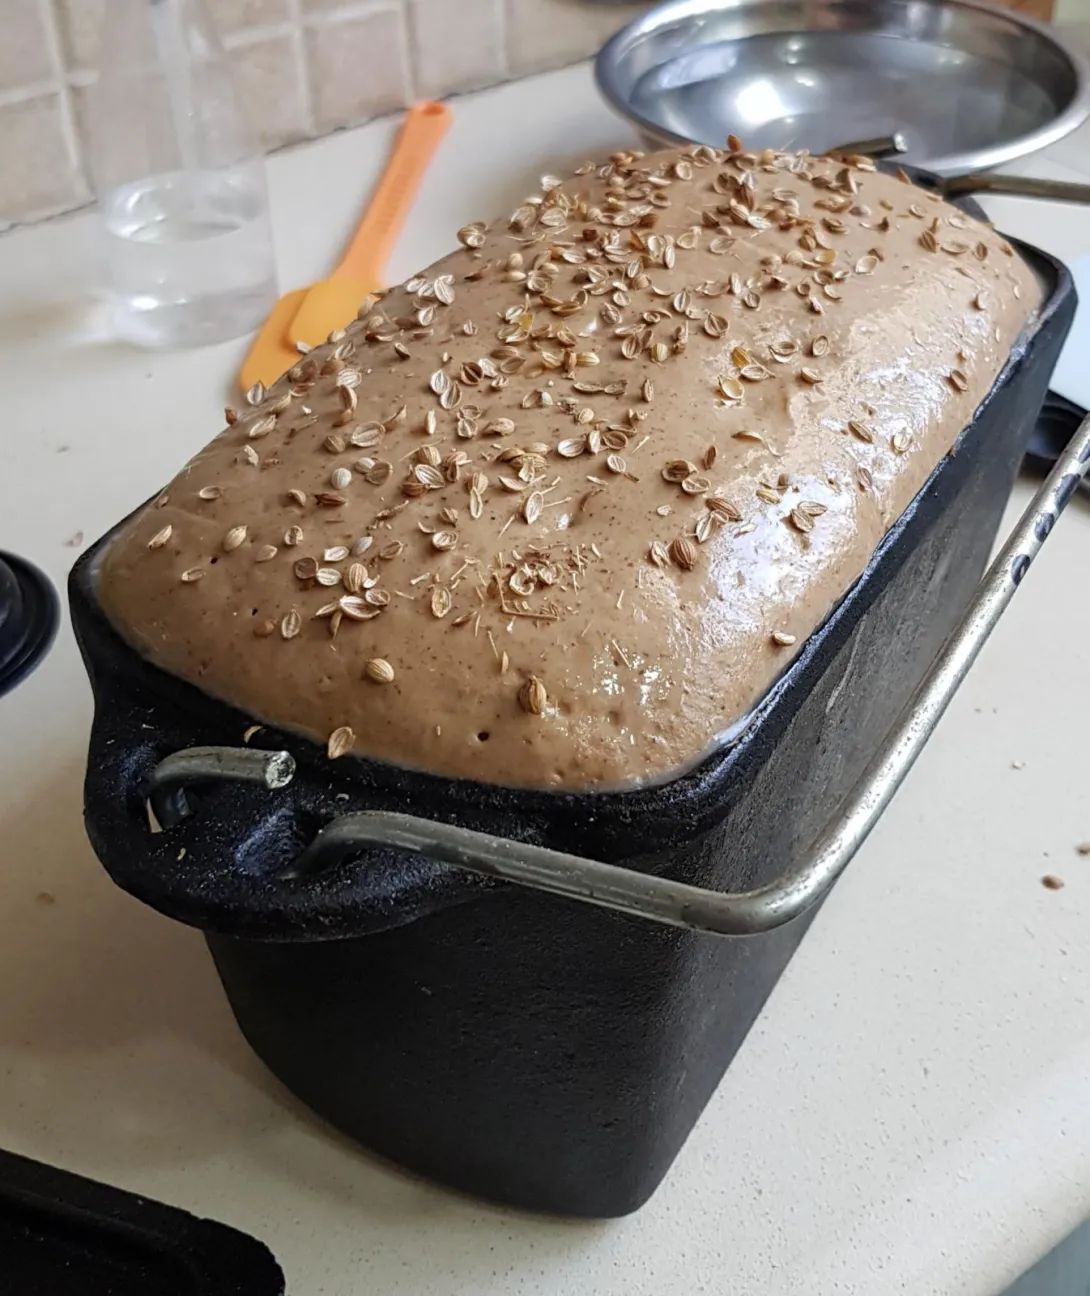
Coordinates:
28 619
63 1235
522 1047
1056 425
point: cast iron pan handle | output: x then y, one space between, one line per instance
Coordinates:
740 913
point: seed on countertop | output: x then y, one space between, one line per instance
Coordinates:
392 550
256 394
297 497
340 742
648 390
615 463
731 389
819 346
899 441
440 601
361 545
293 536
683 552
328 576
340 478
658 553
193 575
782 639
695 484
266 553
444 540
210 492
571 447
234 538
306 569
1052 883
800 520
860 430
249 455
161 537
957 380
810 376
379 671
291 624
531 508
533 696
335 443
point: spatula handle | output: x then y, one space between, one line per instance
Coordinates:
371 245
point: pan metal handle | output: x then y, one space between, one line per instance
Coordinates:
1017 186
165 787
740 913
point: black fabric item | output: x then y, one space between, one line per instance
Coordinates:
63 1235
28 619
525 1048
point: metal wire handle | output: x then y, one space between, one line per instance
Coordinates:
741 913
165 787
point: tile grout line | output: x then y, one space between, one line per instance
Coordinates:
500 10
47 10
302 68
408 54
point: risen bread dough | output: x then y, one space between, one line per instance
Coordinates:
557 511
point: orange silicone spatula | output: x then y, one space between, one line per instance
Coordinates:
270 353
331 303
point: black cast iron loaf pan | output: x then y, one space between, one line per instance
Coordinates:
516 1045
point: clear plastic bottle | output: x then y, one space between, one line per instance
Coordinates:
180 180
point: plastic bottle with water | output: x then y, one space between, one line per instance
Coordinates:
180 179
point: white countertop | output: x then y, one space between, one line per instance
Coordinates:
911 1113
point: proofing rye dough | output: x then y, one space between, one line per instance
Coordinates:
642 665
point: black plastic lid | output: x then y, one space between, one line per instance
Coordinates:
63 1235
28 619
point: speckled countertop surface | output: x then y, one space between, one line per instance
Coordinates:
911 1113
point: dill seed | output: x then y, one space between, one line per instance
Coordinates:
440 601
266 553
291 624
957 380
658 553
210 492
444 540
722 508
810 376
533 696
160 537
234 538
683 553
379 671
340 742
860 430
782 639
293 536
